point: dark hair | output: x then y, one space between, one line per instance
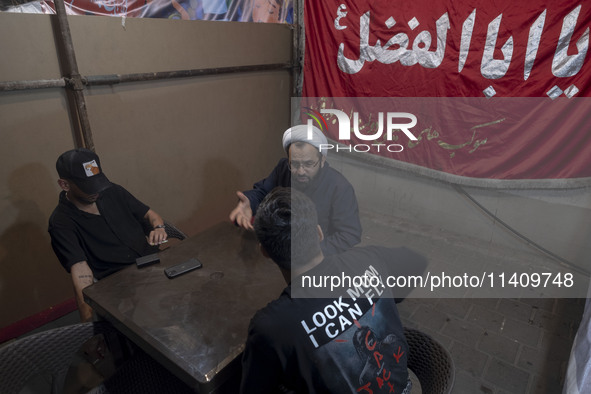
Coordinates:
286 226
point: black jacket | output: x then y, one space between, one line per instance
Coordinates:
336 204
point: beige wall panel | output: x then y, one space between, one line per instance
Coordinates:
27 54
150 45
35 129
185 147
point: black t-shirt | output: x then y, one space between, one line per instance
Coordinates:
347 344
109 241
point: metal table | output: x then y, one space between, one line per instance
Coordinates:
195 325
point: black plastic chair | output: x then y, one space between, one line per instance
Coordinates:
430 361
141 374
42 362
46 356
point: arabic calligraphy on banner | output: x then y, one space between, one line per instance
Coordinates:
492 54
505 138
447 48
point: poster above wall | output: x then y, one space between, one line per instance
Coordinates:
268 11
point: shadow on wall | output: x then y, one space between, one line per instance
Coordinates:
31 278
218 182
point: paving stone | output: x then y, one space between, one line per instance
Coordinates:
457 307
451 292
507 377
558 325
430 302
516 309
407 307
531 359
430 317
557 349
497 346
467 384
547 304
489 303
548 371
409 323
444 340
468 359
463 332
524 333
488 320
547 383
551 340
483 294
570 307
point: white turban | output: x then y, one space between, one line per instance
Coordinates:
300 133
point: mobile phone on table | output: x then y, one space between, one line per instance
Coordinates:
145 261
182 268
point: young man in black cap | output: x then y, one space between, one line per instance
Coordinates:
345 339
307 170
97 229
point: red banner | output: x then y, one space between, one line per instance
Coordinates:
486 50
503 138
447 48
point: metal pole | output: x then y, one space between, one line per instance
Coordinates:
297 59
138 77
73 79
27 85
112 79
299 46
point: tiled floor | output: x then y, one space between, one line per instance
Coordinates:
498 345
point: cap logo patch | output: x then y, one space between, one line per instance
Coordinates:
91 168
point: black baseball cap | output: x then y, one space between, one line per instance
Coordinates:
83 167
